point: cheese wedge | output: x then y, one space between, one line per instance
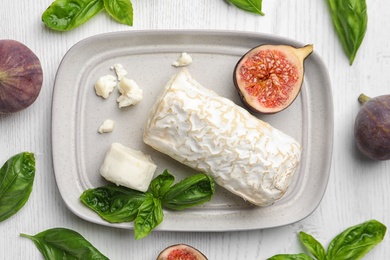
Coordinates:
210 133
128 167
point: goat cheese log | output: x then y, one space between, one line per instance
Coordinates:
210 133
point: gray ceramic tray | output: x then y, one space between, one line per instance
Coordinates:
78 148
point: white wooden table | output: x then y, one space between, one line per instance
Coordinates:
358 189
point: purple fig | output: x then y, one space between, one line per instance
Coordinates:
21 76
372 127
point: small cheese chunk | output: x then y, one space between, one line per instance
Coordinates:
183 60
107 126
131 93
127 167
105 85
119 71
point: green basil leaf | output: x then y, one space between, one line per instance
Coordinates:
313 245
119 204
191 191
356 241
16 183
62 243
350 21
114 203
150 215
291 257
252 6
120 10
161 184
65 15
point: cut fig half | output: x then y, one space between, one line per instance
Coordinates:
181 251
268 78
21 76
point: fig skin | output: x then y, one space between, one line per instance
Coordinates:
21 76
181 252
372 127
269 67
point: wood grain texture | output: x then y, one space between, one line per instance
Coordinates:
357 190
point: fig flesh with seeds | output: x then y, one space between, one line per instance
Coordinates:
21 76
268 78
181 252
372 127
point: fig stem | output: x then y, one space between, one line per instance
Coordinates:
304 51
363 99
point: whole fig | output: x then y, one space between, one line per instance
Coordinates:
21 76
372 127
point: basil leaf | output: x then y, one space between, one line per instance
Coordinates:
191 191
114 203
119 204
350 21
16 183
356 241
291 257
65 15
120 10
150 215
313 245
252 6
62 243
161 184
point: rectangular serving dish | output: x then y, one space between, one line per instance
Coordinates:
77 113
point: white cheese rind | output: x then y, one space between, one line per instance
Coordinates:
209 133
128 167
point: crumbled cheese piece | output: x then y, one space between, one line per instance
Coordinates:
183 60
105 85
127 167
107 126
119 71
131 93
